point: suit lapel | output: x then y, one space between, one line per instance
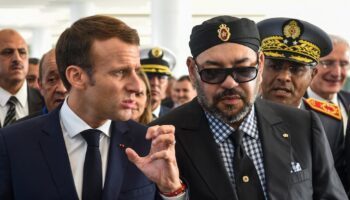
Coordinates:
344 99
54 151
276 145
205 156
117 160
35 101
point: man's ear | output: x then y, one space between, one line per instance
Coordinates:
191 66
314 72
41 89
76 76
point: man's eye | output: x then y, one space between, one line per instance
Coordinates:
296 69
140 94
7 52
22 52
120 73
276 67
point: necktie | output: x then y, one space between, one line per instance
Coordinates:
11 112
92 176
247 181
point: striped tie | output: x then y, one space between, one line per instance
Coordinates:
11 112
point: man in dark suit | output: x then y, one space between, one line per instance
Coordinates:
231 146
13 85
286 78
157 63
330 75
50 85
328 80
87 148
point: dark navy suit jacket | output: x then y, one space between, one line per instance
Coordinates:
34 163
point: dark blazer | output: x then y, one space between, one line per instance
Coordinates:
344 97
35 100
201 165
34 163
163 110
334 132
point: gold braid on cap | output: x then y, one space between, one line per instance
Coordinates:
303 51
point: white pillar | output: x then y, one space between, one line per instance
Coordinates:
79 9
171 27
41 42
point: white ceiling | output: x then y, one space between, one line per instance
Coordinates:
28 16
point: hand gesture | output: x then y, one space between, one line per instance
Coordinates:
160 164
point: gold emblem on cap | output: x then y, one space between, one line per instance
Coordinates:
224 32
285 135
156 52
292 29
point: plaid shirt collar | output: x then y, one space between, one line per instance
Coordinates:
222 131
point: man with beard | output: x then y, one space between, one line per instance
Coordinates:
289 63
231 145
17 100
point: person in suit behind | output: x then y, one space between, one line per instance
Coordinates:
50 85
33 73
157 63
142 112
230 145
288 71
329 78
17 100
183 91
88 148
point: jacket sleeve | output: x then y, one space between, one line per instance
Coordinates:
326 182
5 173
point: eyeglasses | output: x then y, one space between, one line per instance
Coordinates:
240 74
161 77
333 63
277 66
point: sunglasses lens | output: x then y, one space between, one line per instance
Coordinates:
239 74
245 74
213 75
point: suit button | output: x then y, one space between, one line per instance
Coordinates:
285 135
245 179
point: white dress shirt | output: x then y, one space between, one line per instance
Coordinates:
76 145
156 111
334 100
22 108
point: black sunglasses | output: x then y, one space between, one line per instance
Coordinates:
218 75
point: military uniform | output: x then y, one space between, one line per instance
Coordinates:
157 61
300 42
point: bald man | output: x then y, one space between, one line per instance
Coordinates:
17 100
50 84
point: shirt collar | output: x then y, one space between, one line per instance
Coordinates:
156 111
21 95
313 95
73 124
222 131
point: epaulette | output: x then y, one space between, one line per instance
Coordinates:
324 107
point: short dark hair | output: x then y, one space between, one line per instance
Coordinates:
185 78
74 44
33 61
41 67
